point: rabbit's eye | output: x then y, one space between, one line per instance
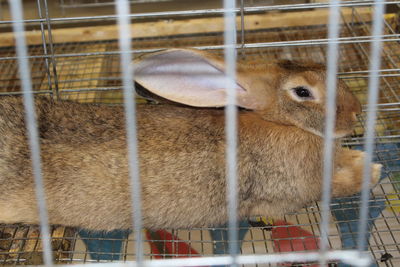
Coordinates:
302 92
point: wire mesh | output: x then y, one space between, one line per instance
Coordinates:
90 72
102 3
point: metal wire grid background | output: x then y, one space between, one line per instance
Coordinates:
96 3
99 3
90 72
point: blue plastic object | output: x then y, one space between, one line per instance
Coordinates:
346 211
220 237
104 245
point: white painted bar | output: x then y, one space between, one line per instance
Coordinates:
125 43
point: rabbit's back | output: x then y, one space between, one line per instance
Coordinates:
85 164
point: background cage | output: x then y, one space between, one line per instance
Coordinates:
76 54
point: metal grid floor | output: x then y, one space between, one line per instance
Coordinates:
90 72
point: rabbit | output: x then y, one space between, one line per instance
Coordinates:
181 147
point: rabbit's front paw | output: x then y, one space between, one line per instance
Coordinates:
359 158
348 176
376 173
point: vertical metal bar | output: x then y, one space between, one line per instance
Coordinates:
125 43
242 39
231 125
373 89
44 46
332 66
30 117
53 60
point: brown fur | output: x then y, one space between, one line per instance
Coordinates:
182 162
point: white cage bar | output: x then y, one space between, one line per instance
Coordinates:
332 66
123 9
24 71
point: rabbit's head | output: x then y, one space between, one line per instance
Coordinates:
286 92
301 99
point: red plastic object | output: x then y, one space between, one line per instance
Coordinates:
166 245
293 238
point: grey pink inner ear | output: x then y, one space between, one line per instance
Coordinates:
188 77
148 95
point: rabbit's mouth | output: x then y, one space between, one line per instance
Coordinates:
345 125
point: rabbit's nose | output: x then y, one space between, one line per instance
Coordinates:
354 116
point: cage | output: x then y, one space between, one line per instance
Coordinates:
73 52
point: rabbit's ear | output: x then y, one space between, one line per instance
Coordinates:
189 77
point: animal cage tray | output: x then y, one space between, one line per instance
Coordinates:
90 72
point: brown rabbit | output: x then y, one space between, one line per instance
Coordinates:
181 148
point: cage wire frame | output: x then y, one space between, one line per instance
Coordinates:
101 3
123 17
